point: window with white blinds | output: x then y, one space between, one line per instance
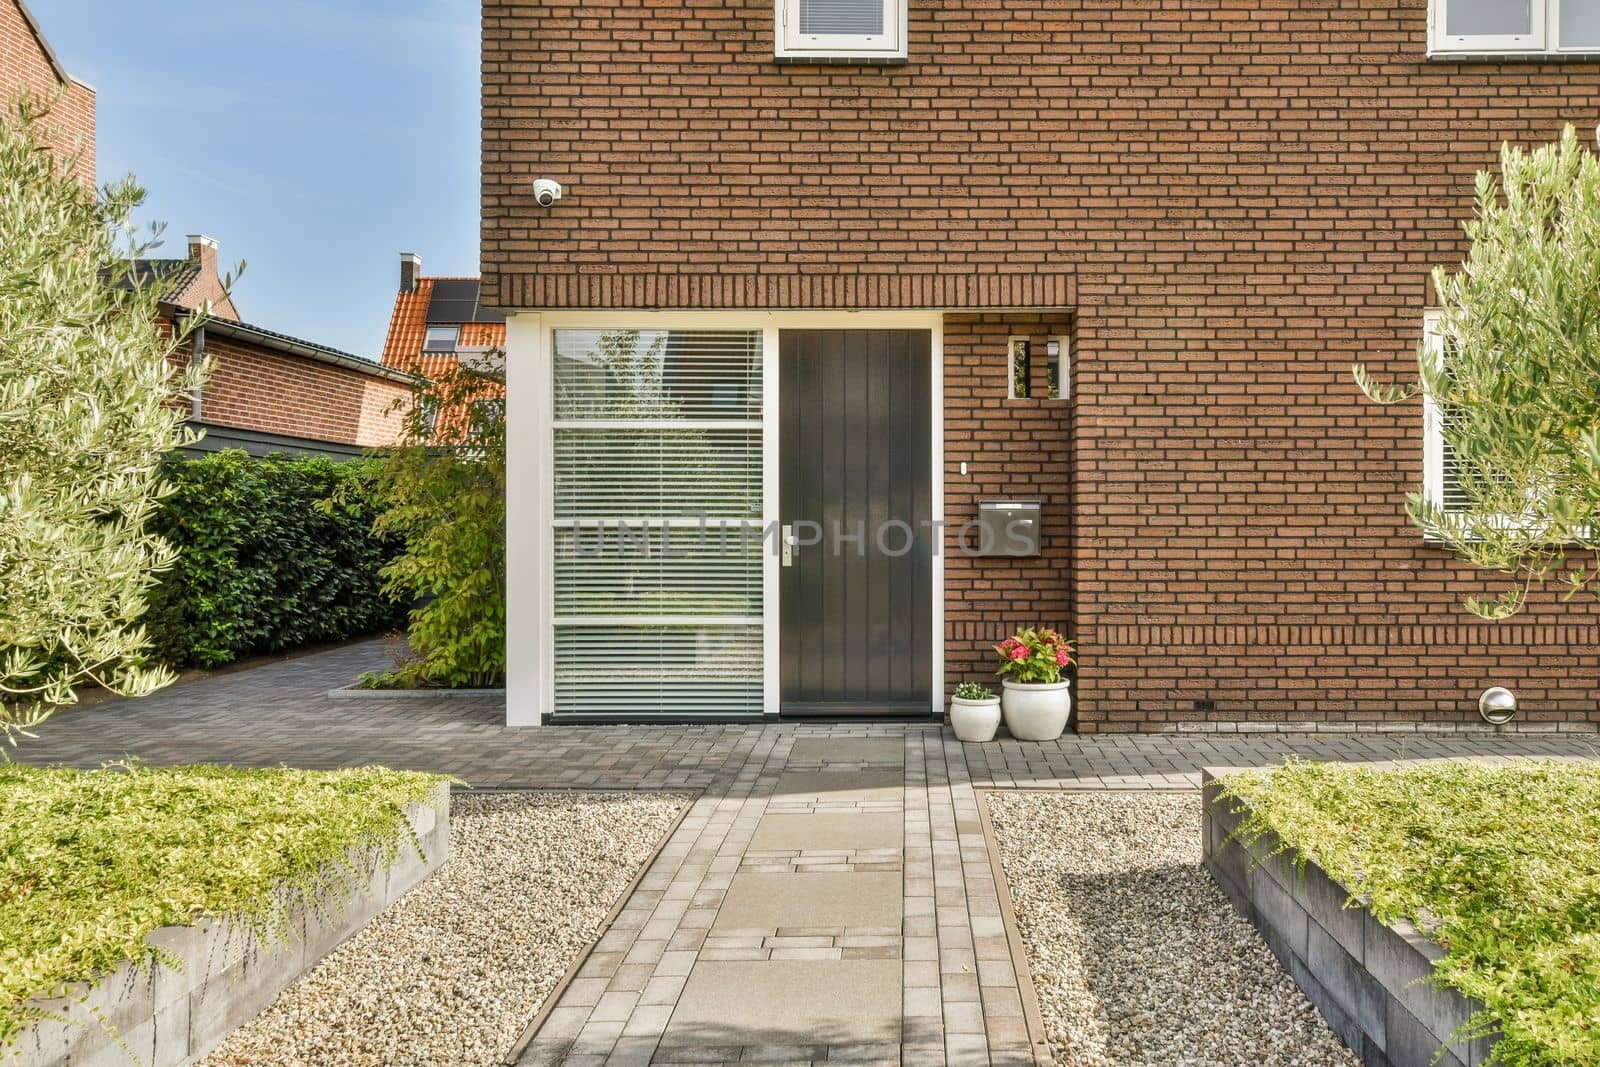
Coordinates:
1441 470
658 499
855 18
841 29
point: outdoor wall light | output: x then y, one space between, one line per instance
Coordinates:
1498 705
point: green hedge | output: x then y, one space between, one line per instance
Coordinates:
272 554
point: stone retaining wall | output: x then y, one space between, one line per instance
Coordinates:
162 1016
1365 977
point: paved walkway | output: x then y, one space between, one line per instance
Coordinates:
829 895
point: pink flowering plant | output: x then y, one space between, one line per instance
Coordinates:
1034 657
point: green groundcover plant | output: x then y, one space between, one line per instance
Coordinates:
1499 864
92 862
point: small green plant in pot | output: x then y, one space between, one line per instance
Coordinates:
974 712
1037 703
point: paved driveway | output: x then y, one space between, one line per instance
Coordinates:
280 714
828 897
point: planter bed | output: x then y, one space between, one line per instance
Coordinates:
1339 866
271 870
454 972
1136 958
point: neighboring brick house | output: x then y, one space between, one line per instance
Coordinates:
27 62
438 321
1210 212
438 325
268 392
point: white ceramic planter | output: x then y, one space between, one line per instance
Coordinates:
1036 712
975 720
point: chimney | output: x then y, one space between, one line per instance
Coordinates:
203 250
410 271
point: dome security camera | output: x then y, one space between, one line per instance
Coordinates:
546 191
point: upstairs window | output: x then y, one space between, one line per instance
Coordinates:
1512 27
841 29
442 339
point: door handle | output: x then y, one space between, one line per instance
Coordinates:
787 540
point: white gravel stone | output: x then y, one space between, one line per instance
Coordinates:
1138 958
453 972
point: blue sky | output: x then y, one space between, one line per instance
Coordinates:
316 139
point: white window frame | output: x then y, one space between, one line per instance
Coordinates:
428 343
1432 418
1555 34
1062 358
790 43
1544 38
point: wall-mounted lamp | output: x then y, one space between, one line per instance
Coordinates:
1498 705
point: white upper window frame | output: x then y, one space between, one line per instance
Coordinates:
790 43
432 343
1544 38
1556 44
1442 42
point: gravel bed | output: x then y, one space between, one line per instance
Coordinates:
1137 957
453 972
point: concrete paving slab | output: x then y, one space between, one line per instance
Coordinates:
773 901
840 786
789 1002
847 750
874 830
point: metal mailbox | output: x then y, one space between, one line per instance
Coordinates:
1007 528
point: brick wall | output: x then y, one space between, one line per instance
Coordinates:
1013 449
257 389
208 283
25 65
1237 200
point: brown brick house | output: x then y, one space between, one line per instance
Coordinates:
27 62
1196 217
268 392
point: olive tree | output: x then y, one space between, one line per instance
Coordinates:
1515 378
88 408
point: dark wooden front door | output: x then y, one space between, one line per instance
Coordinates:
856 597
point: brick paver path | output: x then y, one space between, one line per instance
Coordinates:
828 897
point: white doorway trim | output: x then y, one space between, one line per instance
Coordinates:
530 496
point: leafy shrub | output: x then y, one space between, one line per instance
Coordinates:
443 496
974 691
272 554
